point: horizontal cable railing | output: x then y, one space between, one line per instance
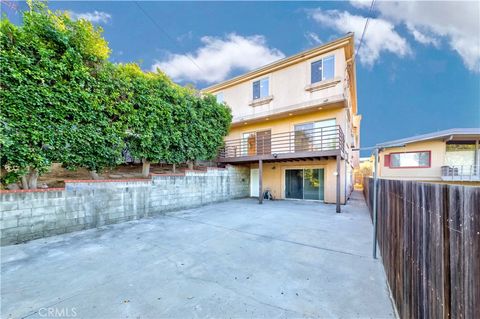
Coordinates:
265 143
461 172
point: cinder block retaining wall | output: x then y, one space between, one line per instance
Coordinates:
27 215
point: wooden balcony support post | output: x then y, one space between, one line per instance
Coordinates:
260 181
338 184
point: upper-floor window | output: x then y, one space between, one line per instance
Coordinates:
408 160
260 88
323 69
219 97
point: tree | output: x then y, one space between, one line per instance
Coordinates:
150 129
51 107
94 133
62 101
200 124
208 123
216 118
171 123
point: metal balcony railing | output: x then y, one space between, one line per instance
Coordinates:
263 143
461 172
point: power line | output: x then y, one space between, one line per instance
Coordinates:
10 4
361 38
167 35
365 28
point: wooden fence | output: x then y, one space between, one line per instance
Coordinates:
429 239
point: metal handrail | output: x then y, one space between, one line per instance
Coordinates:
461 172
309 140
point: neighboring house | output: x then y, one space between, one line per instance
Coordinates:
365 169
450 155
295 124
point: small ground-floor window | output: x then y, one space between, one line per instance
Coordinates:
304 183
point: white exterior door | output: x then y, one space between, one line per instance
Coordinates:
254 189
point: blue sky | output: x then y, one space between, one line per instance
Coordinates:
418 69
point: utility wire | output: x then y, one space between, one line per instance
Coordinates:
166 34
365 28
10 4
361 38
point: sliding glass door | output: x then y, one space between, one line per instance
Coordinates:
304 184
294 183
316 136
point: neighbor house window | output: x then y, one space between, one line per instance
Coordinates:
460 153
260 88
219 97
408 160
323 69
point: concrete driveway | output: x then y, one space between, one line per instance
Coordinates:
286 259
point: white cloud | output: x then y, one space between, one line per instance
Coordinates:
422 36
185 36
218 57
458 23
313 38
94 17
361 3
380 37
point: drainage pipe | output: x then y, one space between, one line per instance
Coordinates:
375 176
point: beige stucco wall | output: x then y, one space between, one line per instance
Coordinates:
294 100
287 86
288 125
437 149
274 177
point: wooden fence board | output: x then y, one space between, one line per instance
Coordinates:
429 240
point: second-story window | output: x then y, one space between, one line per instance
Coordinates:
219 97
323 69
260 88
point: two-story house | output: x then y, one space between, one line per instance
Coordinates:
295 124
449 155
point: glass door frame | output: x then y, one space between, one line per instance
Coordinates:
312 132
303 181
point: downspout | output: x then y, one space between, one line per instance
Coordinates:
345 186
375 177
477 158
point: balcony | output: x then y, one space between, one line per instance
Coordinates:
315 143
461 173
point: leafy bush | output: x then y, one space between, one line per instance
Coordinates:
62 101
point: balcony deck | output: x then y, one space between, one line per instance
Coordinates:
310 144
457 173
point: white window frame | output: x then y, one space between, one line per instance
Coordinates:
260 92
323 74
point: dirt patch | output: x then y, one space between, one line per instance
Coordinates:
57 174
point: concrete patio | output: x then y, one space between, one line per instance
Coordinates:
286 259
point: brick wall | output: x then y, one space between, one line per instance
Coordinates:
27 215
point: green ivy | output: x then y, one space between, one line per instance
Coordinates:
62 101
